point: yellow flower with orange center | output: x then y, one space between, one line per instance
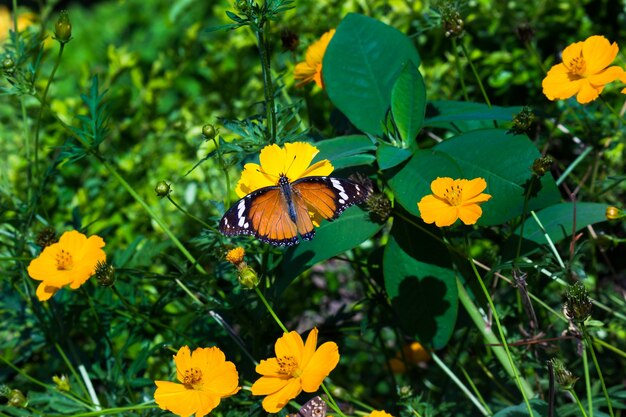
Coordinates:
293 160
452 200
584 71
206 377
235 256
311 68
71 261
297 367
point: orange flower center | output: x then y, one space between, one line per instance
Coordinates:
192 378
288 366
577 65
64 261
454 195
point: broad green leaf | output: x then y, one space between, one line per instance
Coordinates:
505 162
388 156
346 151
538 407
351 229
461 116
421 284
412 181
558 221
408 102
360 67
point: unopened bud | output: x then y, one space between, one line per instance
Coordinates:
105 274
563 376
248 277
577 303
542 165
379 206
16 399
614 213
522 122
208 131
162 189
46 237
63 28
62 382
8 63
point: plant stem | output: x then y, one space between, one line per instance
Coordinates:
43 104
268 87
332 402
523 218
459 69
226 175
271 311
480 83
523 386
185 212
587 383
573 165
580 406
589 345
458 382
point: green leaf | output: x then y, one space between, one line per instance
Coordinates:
411 182
505 162
538 407
360 67
346 151
388 156
351 229
461 116
558 221
421 284
408 102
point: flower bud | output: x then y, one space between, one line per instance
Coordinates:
522 122
62 382
8 63
379 206
577 303
525 32
248 277
563 376
46 237
16 399
162 189
208 132
63 28
542 165
614 213
451 20
105 274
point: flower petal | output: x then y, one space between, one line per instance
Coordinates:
45 291
182 359
269 367
309 347
290 344
269 385
430 208
253 178
318 169
275 402
606 76
182 401
439 185
273 161
598 53
298 157
572 52
447 216
469 214
559 84
471 188
324 360
588 92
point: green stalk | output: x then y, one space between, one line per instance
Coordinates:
522 384
459 384
114 410
185 212
589 345
268 87
43 104
271 310
480 83
573 165
226 175
332 402
523 218
476 392
580 406
459 69
588 382
490 338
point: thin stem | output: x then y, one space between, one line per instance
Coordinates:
525 390
226 175
580 406
271 311
43 104
573 165
615 113
480 83
476 392
548 239
185 212
589 345
459 69
268 87
588 382
70 366
523 218
115 410
459 384
331 401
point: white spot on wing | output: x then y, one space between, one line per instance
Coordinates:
343 197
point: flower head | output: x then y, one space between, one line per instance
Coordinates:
452 200
72 260
235 256
380 413
311 68
297 366
206 377
584 71
293 160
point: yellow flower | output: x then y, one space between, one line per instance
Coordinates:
412 353
24 20
453 199
584 70
235 256
292 160
206 377
297 366
72 260
311 69
381 413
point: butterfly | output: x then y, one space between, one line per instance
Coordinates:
315 407
279 213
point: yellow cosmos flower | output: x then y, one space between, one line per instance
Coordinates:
584 70
311 68
235 256
292 160
297 366
206 377
24 20
381 413
452 200
72 260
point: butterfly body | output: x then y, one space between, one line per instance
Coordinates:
278 214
